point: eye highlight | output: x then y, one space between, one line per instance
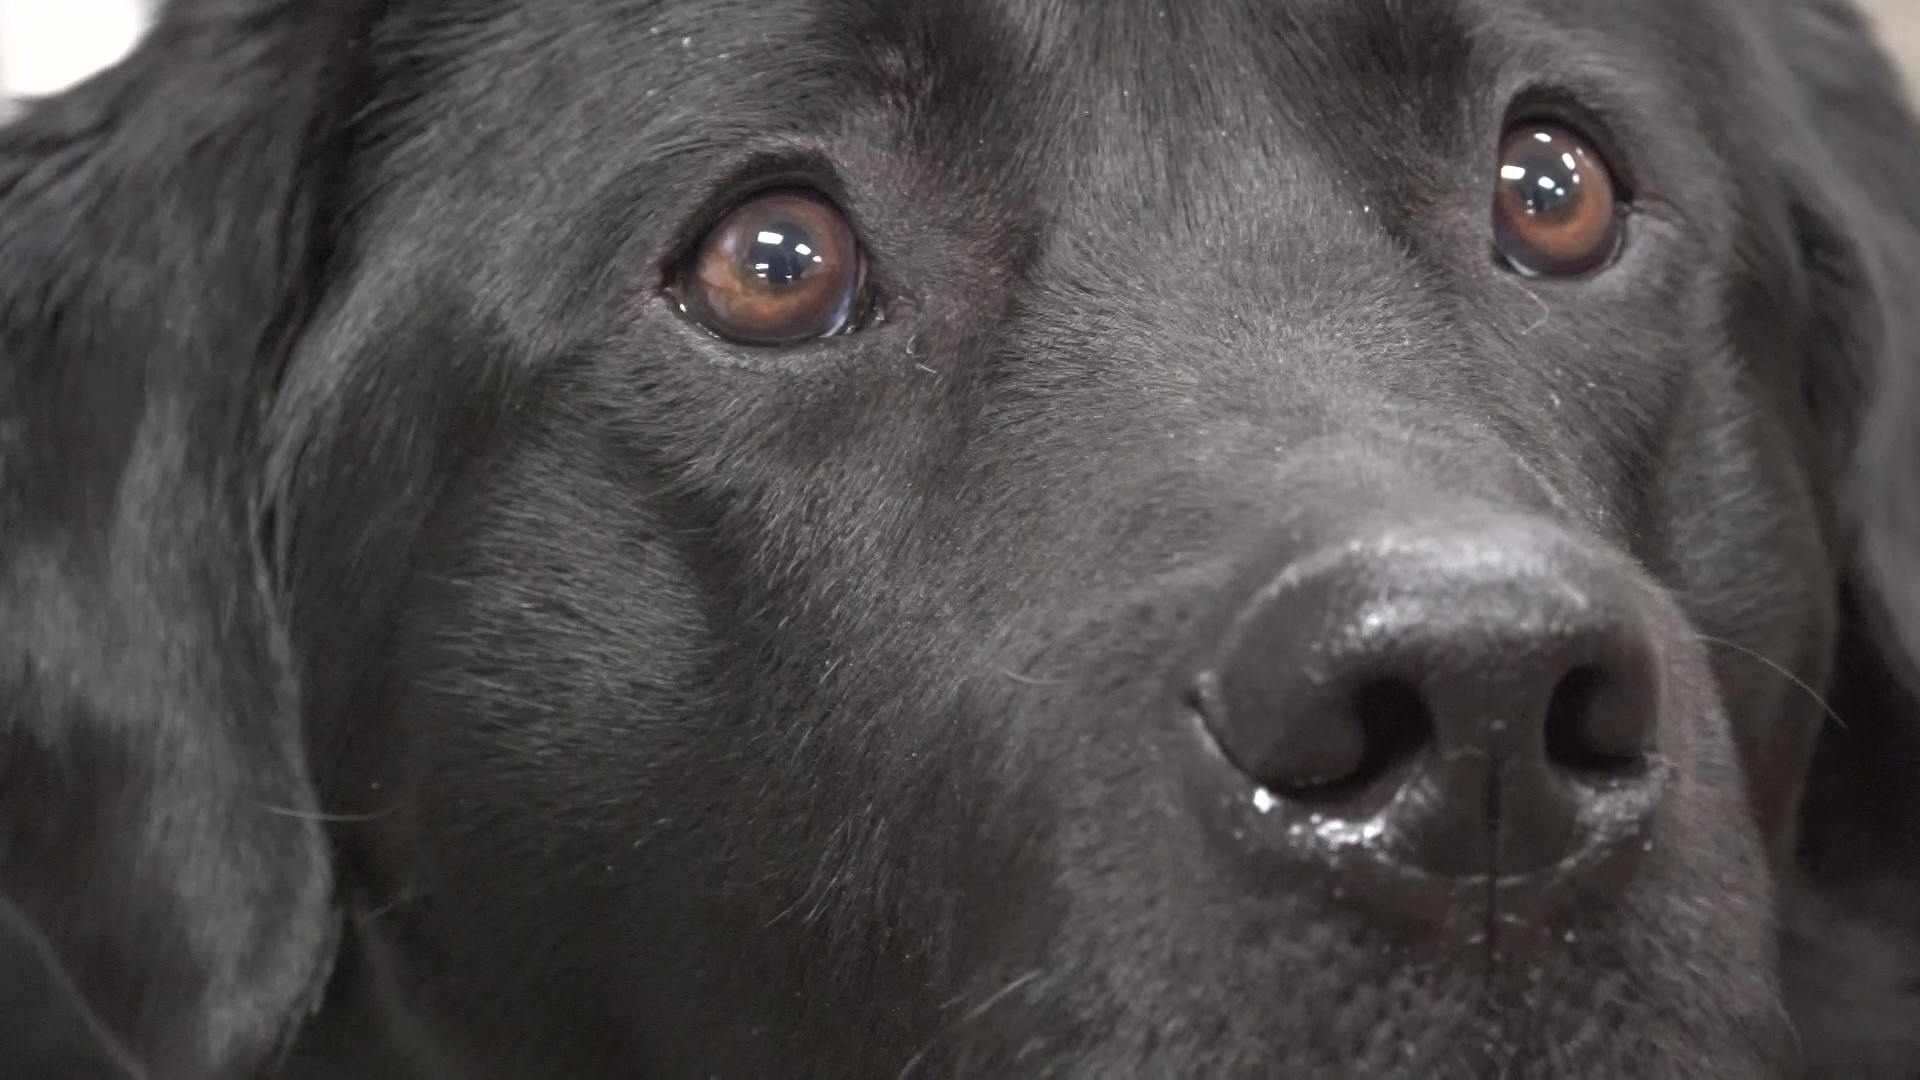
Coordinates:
783 268
1556 209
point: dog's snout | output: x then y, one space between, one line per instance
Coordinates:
1485 701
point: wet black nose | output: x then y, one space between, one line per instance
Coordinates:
1479 699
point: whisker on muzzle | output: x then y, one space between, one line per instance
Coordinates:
1818 698
971 1015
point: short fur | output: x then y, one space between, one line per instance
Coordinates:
425 654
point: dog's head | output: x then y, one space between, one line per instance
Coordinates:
967 538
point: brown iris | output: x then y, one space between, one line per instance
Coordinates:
783 268
1555 211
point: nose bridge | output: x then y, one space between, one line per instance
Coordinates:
1293 258
1286 369
1207 233
1235 209
1293 325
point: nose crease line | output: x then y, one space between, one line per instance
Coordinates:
1492 915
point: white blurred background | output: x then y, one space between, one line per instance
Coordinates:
46 45
1900 21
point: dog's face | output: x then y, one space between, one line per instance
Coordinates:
981 538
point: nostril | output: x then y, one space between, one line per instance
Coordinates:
1395 725
1595 724
1311 748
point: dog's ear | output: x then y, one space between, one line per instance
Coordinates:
1854 168
162 234
1850 157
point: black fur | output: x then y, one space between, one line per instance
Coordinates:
424 654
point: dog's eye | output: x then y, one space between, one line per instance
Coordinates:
783 268
1556 211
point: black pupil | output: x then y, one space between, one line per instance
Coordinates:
782 253
1548 175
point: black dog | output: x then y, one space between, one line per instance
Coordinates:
579 538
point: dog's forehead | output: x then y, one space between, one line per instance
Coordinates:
1042 66
1101 117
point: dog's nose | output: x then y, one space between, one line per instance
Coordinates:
1478 701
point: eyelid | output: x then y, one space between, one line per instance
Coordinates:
759 174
